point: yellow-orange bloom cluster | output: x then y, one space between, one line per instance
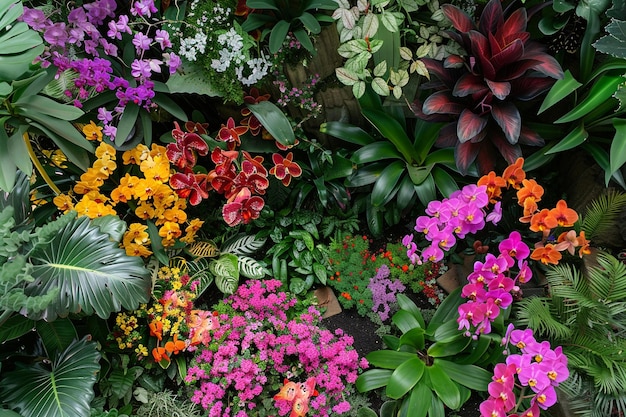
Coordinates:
529 194
148 193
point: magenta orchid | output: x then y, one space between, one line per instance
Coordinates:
476 93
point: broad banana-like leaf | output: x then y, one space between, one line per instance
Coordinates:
93 274
63 388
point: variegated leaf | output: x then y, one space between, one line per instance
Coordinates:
243 245
251 268
203 249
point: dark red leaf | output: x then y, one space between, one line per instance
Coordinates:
469 84
530 137
441 102
528 88
447 136
486 158
470 124
508 118
491 18
499 89
435 68
465 154
507 150
482 53
515 25
546 63
511 54
460 20
454 61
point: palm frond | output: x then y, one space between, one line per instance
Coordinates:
602 213
537 313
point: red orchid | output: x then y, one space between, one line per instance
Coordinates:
183 152
243 207
250 119
477 91
230 133
285 168
196 127
192 186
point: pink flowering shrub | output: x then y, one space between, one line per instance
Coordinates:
261 343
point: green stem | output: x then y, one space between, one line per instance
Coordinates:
38 165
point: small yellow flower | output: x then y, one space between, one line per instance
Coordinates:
141 350
134 249
136 155
170 230
105 151
84 187
145 211
56 157
105 167
175 215
126 190
158 151
63 202
92 131
137 233
145 188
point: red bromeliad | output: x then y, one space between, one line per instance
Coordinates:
477 91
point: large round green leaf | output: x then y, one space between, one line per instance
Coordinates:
93 274
63 388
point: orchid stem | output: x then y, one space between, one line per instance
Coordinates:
38 165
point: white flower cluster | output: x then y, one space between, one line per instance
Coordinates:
259 67
190 47
232 54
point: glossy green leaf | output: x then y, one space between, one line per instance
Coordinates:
56 335
375 152
75 153
366 175
375 218
419 401
93 274
14 327
261 4
404 378
278 35
445 183
274 121
126 124
478 349
8 169
601 91
310 22
405 197
426 191
61 388
405 321
112 225
49 107
449 347
170 106
405 303
18 39
347 132
446 390
617 155
393 132
560 89
305 40
573 139
388 359
606 65
373 379
447 310
418 173
471 376
389 177
414 338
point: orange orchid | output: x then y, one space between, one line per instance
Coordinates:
530 208
530 189
543 221
494 184
546 254
175 346
159 354
156 329
565 216
584 244
514 175
567 241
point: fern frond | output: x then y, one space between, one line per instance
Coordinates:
602 213
608 280
537 314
